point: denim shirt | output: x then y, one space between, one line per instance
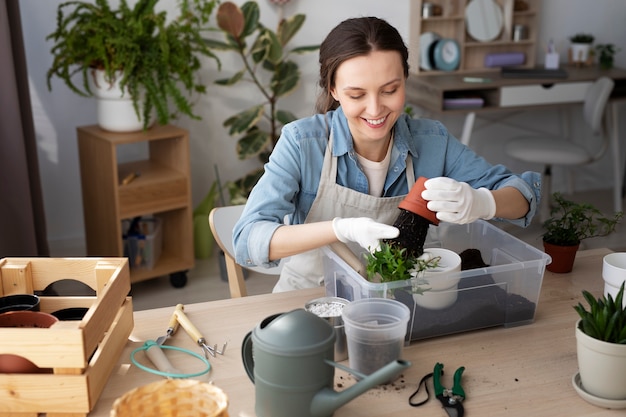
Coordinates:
289 185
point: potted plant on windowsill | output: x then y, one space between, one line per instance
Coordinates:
134 55
569 224
601 348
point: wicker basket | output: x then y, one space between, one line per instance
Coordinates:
172 398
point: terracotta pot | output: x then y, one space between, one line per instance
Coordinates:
562 257
10 363
414 202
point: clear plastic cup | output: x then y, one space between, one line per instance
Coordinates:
375 332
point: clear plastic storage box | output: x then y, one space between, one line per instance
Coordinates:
142 242
505 292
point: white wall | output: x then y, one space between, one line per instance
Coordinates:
57 113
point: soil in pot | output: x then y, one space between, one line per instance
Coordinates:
413 221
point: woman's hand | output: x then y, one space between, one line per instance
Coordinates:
457 202
364 231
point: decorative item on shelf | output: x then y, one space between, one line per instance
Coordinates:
152 59
265 57
601 350
552 57
569 224
606 56
580 48
446 54
484 20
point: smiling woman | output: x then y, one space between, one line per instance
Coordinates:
340 175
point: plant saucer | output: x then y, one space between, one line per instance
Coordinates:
597 401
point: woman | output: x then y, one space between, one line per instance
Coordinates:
340 175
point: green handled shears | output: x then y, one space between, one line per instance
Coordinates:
451 399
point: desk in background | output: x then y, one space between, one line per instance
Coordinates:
430 91
520 371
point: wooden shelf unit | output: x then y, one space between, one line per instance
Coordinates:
451 24
162 189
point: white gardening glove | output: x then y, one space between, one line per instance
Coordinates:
457 202
364 231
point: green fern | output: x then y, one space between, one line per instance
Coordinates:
159 60
606 318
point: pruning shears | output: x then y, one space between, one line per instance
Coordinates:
451 399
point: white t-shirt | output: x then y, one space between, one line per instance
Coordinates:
376 172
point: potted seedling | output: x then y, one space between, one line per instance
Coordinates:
433 276
581 45
606 56
569 224
601 347
139 62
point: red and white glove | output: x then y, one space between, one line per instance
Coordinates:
364 231
457 202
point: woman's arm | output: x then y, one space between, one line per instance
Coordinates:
510 203
293 239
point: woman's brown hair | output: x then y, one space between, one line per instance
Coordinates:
351 38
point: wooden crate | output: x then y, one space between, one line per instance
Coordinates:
80 354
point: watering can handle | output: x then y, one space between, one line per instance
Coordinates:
246 355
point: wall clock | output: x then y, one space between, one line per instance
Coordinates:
447 55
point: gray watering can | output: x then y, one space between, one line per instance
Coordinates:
289 357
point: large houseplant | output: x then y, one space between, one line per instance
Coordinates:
267 65
569 224
601 345
154 59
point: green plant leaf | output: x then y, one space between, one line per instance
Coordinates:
252 143
304 49
242 122
220 45
285 79
251 15
285 117
232 80
288 27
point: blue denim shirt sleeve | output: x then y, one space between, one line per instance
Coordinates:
289 185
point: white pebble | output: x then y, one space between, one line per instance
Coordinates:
326 309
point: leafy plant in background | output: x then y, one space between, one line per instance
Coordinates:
606 318
582 38
158 59
607 53
267 66
572 222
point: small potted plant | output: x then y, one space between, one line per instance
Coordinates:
135 57
606 56
581 45
569 224
433 276
601 346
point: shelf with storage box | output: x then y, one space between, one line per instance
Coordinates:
451 22
157 186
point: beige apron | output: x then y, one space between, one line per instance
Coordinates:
305 270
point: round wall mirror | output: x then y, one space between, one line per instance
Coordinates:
484 20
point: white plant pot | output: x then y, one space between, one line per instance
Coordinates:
580 52
614 273
602 366
442 281
115 107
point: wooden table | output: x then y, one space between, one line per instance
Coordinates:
519 371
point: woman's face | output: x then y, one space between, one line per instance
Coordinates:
371 91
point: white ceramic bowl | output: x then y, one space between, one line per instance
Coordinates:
614 273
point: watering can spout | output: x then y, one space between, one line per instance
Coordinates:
327 400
